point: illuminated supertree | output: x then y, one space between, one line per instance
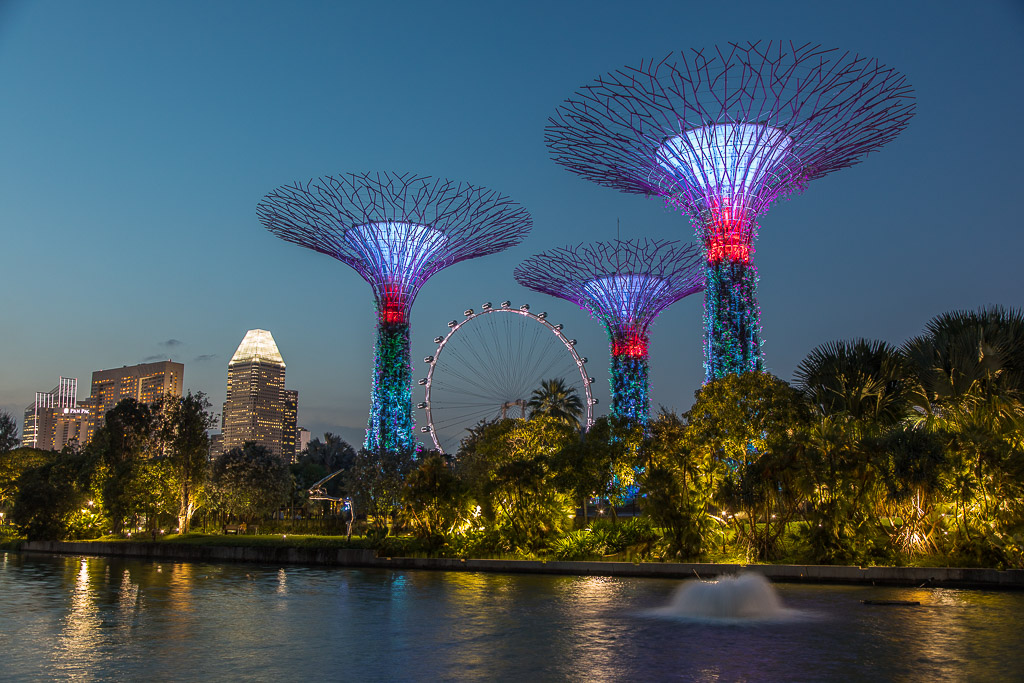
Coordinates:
721 134
396 230
625 285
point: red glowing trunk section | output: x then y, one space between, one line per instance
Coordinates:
728 237
632 344
393 306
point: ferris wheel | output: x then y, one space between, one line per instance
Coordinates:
490 363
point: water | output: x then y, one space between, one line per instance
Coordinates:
85 619
741 599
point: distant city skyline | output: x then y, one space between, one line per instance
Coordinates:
141 137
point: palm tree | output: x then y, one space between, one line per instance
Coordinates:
966 357
968 369
555 400
864 380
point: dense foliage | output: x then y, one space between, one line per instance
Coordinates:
875 454
250 482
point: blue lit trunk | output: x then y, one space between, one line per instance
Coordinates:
390 424
628 381
732 319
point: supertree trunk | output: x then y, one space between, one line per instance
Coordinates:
732 319
628 378
390 424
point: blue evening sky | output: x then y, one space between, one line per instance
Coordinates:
139 136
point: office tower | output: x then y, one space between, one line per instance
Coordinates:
146 383
301 440
255 406
216 445
291 417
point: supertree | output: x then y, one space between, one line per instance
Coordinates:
625 285
396 230
721 134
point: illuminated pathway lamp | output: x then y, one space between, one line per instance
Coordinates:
625 285
721 134
396 230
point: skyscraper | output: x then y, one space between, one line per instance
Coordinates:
254 409
146 383
291 424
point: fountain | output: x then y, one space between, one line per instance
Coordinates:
743 596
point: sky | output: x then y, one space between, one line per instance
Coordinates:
137 139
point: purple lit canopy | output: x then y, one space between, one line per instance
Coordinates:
395 229
748 122
625 284
721 134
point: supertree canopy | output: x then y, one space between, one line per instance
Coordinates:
721 134
624 285
395 230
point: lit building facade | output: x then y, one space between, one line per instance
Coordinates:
146 383
301 440
291 423
55 418
254 409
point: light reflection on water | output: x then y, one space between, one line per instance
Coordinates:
74 618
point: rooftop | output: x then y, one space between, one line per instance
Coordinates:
257 346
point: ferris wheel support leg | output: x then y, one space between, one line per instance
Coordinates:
390 425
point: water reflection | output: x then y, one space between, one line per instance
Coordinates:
96 618
79 643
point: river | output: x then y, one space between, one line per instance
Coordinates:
91 619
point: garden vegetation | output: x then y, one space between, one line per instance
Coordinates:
875 454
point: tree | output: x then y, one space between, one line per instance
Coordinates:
185 449
603 461
916 477
863 379
124 448
436 500
509 465
857 391
967 357
333 454
679 482
556 401
376 478
968 369
8 432
12 465
52 497
749 424
250 482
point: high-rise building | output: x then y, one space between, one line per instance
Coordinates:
301 440
291 423
146 383
255 406
216 445
55 418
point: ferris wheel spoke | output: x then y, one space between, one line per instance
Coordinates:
490 364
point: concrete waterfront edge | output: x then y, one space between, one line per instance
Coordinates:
949 577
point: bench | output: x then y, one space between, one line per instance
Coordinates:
240 529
